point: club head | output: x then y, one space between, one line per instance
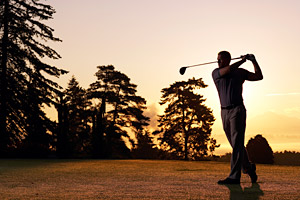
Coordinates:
182 70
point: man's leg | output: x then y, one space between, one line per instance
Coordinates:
249 168
225 114
237 120
226 124
246 166
234 125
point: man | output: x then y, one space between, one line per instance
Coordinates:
229 81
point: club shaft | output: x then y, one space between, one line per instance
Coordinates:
208 63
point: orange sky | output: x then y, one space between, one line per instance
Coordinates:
150 40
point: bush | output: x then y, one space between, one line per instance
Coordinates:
259 150
287 158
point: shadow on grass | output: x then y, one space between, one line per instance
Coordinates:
237 192
8 164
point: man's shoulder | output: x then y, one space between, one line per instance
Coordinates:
215 73
215 70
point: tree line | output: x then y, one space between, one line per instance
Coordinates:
99 130
92 122
259 151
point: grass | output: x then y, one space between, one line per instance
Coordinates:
139 179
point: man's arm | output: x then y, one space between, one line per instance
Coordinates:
257 75
226 70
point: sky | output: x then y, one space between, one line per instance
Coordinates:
150 40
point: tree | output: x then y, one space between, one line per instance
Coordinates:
25 89
74 120
62 132
4 139
38 141
287 158
259 150
213 146
118 110
99 125
145 148
185 126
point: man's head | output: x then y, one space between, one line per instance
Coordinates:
224 59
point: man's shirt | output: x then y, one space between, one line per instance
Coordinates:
230 86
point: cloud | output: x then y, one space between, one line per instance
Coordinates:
293 110
152 112
283 94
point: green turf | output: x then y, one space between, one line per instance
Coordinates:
139 179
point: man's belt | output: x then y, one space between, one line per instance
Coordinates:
230 107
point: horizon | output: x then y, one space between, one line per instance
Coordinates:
150 41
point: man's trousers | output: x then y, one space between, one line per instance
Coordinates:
234 125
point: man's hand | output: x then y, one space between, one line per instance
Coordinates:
258 74
244 57
251 57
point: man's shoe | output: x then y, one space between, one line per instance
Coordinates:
229 181
252 173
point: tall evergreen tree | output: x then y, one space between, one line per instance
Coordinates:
62 132
145 147
185 126
25 84
78 117
121 109
99 125
4 138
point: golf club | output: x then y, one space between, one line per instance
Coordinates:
183 69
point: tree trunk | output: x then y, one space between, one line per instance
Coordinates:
62 149
3 109
111 130
98 131
184 132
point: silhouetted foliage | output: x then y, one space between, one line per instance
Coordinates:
280 158
24 86
99 125
145 148
225 158
185 126
62 132
119 109
75 119
259 150
287 158
38 141
212 147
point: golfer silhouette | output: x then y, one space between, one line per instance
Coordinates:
229 81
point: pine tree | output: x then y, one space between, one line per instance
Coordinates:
123 109
78 117
99 125
145 148
25 84
62 132
185 126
